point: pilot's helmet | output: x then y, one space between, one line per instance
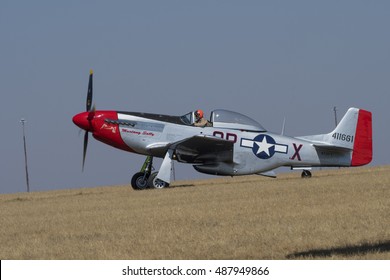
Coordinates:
198 114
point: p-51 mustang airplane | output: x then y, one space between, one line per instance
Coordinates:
232 145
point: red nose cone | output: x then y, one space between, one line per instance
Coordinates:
83 121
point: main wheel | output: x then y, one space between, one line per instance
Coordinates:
139 181
156 183
306 174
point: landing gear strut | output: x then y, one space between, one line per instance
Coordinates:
140 179
146 179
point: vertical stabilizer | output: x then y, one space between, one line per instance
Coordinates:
344 134
355 132
353 135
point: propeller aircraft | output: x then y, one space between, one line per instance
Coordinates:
231 144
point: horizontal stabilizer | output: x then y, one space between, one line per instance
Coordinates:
331 147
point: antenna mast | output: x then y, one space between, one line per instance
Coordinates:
335 115
23 121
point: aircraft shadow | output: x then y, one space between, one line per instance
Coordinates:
181 186
343 251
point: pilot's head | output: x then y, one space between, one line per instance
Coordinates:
198 114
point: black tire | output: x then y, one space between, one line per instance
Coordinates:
156 183
139 181
306 174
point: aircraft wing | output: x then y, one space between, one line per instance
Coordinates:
202 148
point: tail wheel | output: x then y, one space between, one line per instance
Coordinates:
306 174
139 181
156 183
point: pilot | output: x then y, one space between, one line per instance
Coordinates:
200 120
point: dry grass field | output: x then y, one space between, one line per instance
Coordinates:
337 214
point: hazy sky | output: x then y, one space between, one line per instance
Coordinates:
266 59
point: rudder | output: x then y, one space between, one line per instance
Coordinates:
362 147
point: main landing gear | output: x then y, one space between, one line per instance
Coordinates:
146 179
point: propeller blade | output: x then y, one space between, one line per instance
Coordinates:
85 148
90 115
89 93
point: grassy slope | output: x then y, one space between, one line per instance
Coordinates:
337 214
